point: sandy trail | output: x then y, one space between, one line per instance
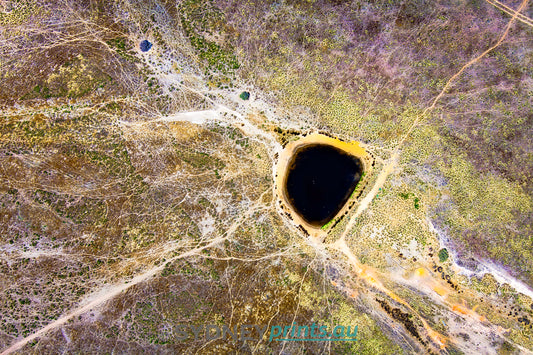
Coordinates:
392 162
502 7
103 296
99 297
219 113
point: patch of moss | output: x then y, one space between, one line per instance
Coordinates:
443 255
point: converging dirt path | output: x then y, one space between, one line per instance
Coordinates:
100 297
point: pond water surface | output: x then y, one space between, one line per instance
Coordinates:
320 179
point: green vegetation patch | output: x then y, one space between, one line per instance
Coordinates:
124 48
201 160
443 255
73 79
19 12
85 141
78 209
201 21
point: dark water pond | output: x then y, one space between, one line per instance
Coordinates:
145 45
320 180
